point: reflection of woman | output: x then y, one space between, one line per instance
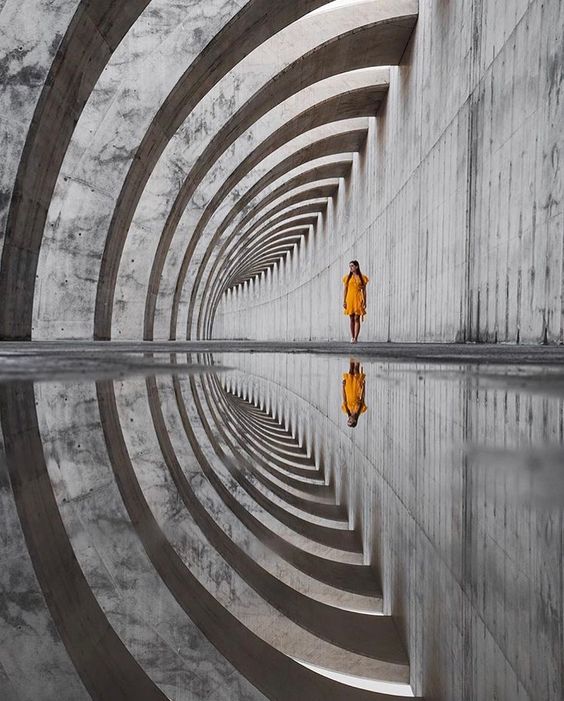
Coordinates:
353 393
354 301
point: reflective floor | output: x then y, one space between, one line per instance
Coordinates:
285 526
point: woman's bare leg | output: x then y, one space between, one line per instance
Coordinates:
353 325
357 328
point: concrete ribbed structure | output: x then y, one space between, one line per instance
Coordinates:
204 171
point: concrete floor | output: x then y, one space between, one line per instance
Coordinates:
489 353
171 529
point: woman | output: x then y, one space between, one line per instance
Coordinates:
354 387
354 302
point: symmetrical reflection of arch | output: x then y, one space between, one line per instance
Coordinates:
239 504
259 553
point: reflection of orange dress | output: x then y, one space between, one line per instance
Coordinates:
354 389
355 296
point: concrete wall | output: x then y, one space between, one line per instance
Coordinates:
27 51
454 209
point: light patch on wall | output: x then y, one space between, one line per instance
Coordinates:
337 4
382 687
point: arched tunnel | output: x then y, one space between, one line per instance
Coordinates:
207 493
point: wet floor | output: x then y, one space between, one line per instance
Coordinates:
275 525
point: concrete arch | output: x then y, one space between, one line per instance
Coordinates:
394 35
324 149
299 227
341 142
236 643
93 34
96 30
345 142
281 209
283 243
321 191
380 43
107 669
357 103
205 170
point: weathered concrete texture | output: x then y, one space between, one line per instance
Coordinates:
142 125
91 38
137 79
454 209
27 51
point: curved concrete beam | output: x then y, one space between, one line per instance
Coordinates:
95 31
280 209
281 243
316 175
106 667
380 43
267 668
255 23
301 227
338 143
356 103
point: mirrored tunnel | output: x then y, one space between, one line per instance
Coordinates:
211 488
249 526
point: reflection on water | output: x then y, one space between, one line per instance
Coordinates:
354 390
226 535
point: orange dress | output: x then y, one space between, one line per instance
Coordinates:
355 301
354 390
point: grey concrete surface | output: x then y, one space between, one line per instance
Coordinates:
29 356
454 206
446 263
186 511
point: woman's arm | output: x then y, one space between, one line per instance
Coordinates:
345 398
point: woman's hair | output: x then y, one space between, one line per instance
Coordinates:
356 263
